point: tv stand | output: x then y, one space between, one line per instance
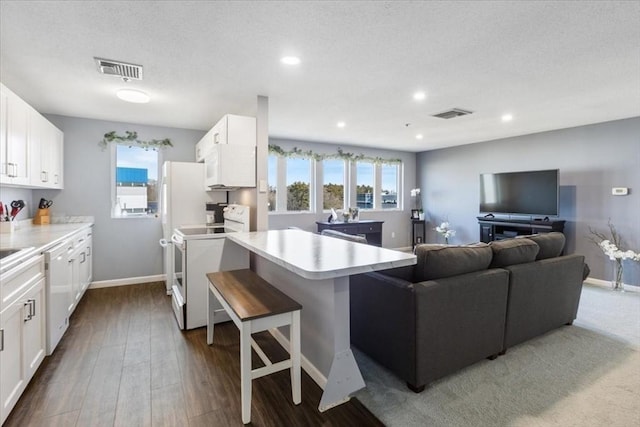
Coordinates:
503 228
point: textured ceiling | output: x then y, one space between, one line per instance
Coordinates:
551 64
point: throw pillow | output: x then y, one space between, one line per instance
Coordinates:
513 251
551 244
440 261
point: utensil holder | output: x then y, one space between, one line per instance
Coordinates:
7 227
42 217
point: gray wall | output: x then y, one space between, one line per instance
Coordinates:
123 248
397 222
591 159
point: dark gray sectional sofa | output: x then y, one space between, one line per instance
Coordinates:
461 304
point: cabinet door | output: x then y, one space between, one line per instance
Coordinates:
35 338
16 163
13 378
240 130
3 136
85 264
57 159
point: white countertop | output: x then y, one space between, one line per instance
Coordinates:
37 238
313 256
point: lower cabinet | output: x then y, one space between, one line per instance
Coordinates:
22 331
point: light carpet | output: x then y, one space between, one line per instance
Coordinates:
587 374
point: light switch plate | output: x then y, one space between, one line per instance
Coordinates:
619 191
262 187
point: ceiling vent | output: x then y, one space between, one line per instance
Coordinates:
452 113
119 69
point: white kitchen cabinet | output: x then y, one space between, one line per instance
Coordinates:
14 131
230 166
31 147
86 264
79 267
46 145
231 129
22 329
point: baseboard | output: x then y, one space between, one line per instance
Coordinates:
607 284
127 281
308 367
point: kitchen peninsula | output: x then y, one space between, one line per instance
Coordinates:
314 270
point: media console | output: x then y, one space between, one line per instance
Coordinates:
503 228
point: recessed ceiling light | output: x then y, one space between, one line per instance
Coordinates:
290 60
507 117
419 136
419 96
341 124
131 95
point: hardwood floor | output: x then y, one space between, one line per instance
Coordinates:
123 362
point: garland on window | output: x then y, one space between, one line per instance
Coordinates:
131 138
341 154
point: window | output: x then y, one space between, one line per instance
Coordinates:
134 181
364 185
298 184
333 184
272 180
390 179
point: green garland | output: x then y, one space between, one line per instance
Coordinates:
342 155
131 138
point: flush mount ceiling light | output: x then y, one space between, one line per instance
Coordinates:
290 60
507 117
419 96
419 136
341 124
132 95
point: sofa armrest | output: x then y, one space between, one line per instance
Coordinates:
383 321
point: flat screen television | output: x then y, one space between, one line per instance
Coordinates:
521 193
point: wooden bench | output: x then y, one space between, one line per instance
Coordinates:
254 305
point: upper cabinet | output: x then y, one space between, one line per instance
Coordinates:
46 146
14 139
31 148
231 129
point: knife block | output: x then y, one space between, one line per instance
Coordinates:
42 217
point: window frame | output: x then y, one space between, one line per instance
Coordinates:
114 187
316 186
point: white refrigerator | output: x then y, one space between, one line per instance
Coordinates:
182 203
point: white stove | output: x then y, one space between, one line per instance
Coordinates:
199 250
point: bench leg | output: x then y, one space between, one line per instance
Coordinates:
210 312
245 370
294 353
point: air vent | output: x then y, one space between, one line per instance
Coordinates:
119 69
454 112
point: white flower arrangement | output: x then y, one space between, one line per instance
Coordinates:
612 251
446 231
415 193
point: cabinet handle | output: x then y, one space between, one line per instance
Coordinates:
216 138
33 306
43 176
1 339
27 305
88 250
84 257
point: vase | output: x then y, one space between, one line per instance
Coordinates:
616 283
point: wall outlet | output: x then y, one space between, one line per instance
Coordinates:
620 191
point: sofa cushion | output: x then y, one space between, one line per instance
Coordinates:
513 251
551 244
440 261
